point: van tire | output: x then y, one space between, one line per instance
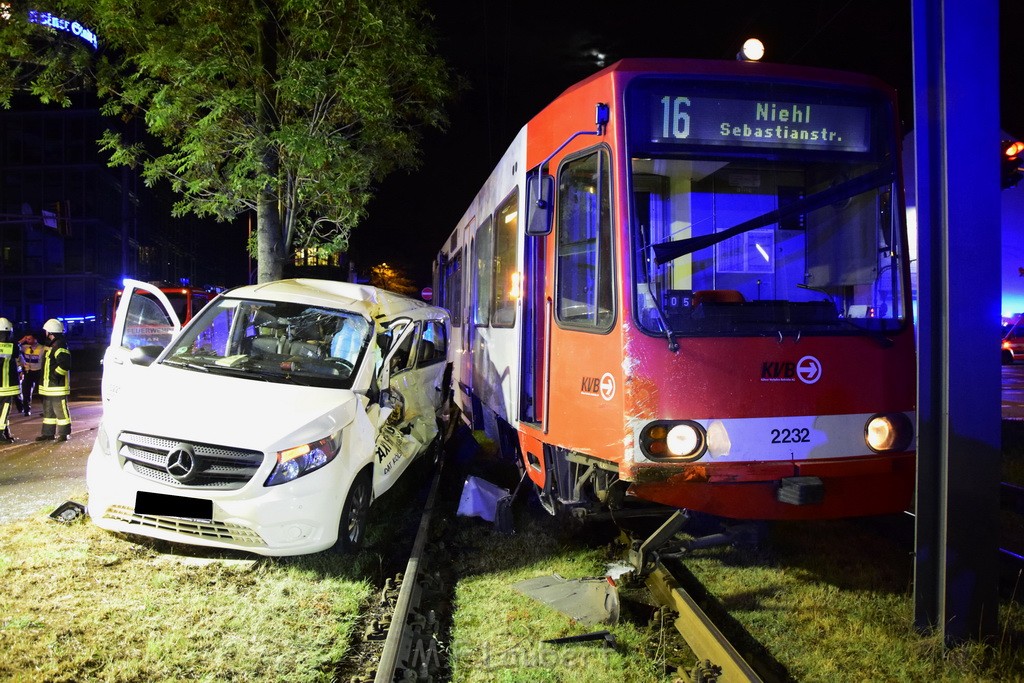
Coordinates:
354 515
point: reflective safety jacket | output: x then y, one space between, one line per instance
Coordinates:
8 370
31 356
56 379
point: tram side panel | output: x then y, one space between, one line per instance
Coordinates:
489 241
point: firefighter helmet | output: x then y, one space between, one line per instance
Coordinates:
5 325
54 326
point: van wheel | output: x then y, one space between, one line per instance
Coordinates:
352 527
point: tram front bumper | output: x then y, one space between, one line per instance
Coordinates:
827 489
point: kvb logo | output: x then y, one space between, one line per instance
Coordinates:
808 369
603 386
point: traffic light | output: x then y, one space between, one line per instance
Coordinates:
1011 164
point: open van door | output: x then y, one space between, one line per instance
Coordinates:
412 380
144 323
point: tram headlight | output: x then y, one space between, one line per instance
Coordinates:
682 440
886 433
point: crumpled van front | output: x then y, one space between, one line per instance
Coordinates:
260 426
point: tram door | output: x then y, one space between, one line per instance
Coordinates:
534 333
475 315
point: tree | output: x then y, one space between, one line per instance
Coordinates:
391 278
291 108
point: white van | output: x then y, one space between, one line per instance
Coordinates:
272 420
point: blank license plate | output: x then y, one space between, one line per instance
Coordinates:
162 505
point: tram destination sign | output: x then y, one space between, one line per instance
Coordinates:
676 117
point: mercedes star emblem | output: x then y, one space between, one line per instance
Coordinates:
182 463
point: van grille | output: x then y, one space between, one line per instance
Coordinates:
216 467
209 530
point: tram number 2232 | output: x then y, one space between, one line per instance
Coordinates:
798 435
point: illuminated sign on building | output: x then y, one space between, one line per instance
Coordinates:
65 25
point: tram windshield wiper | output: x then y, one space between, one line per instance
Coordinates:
667 251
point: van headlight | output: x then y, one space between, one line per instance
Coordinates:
293 463
886 433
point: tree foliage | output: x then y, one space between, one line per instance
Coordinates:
291 108
392 278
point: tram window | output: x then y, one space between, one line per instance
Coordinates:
453 288
584 281
506 279
483 273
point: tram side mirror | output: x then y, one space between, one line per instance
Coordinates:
540 192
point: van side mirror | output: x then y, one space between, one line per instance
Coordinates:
540 192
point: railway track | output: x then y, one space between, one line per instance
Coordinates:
717 658
656 560
404 639
412 637
412 651
413 634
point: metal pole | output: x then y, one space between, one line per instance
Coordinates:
956 122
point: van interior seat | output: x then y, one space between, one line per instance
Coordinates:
264 345
305 349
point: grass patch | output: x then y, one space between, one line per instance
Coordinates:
828 601
497 632
80 603
832 601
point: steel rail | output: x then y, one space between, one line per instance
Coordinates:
704 638
397 632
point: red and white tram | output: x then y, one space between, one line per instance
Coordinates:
701 299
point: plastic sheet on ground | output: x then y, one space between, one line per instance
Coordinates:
480 499
589 601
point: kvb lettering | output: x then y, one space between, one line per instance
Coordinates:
773 370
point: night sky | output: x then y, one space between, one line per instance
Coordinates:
517 56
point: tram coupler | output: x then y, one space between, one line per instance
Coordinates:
643 555
583 514
749 533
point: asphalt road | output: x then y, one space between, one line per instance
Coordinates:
1013 392
36 477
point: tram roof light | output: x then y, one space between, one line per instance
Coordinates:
752 50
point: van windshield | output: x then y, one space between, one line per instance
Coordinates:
275 341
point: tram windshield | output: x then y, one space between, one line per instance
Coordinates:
764 210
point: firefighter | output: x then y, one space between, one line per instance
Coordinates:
55 384
31 367
9 386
